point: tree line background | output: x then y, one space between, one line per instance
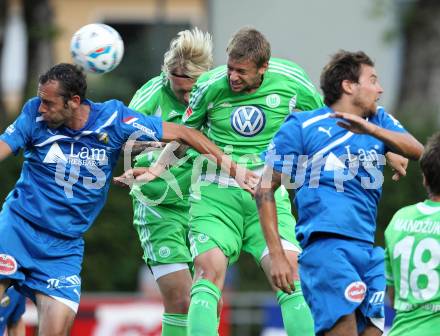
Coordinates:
113 254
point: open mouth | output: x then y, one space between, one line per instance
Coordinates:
236 85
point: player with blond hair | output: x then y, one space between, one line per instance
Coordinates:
161 211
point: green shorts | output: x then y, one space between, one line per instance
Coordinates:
163 232
227 217
418 322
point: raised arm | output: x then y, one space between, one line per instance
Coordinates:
281 270
170 154
400 143
244 177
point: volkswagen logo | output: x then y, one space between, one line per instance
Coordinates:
248 120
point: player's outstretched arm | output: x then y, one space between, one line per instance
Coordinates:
5 150
167 158
281 270
400 143
137 147
244 177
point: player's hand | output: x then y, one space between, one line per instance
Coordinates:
354 123
398 164
281 272
135 175
247 179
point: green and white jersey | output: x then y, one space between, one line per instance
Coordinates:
243 124
156 98
412 257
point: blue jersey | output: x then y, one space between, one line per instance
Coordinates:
66 173
12 307
337 174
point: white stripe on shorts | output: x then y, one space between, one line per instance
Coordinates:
69 303
164 269
287 246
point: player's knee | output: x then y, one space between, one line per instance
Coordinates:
177 301
206 270
57 329
207 274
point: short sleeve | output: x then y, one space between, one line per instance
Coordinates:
19 133
146 99
308 98
389 122
139 126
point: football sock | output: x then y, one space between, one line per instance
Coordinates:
296 313
174 324
202 314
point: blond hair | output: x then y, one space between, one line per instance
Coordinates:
190 52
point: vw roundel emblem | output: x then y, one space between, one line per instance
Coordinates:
248 120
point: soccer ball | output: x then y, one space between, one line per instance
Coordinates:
97 48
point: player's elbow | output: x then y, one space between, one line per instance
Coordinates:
415 149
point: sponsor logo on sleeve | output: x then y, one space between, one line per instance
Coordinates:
133 122
129 120
187 114
395 121
292 104
10 129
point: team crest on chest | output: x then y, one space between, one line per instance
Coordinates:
248 120
273 100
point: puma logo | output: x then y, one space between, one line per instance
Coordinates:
326 131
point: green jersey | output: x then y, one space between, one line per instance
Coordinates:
413 258
156 98
243 124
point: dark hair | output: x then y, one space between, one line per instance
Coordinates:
430 164
344 65
71 79
249 44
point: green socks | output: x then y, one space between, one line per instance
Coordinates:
296 314
174 324
202 315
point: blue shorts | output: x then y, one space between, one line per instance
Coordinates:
39 261
340 277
